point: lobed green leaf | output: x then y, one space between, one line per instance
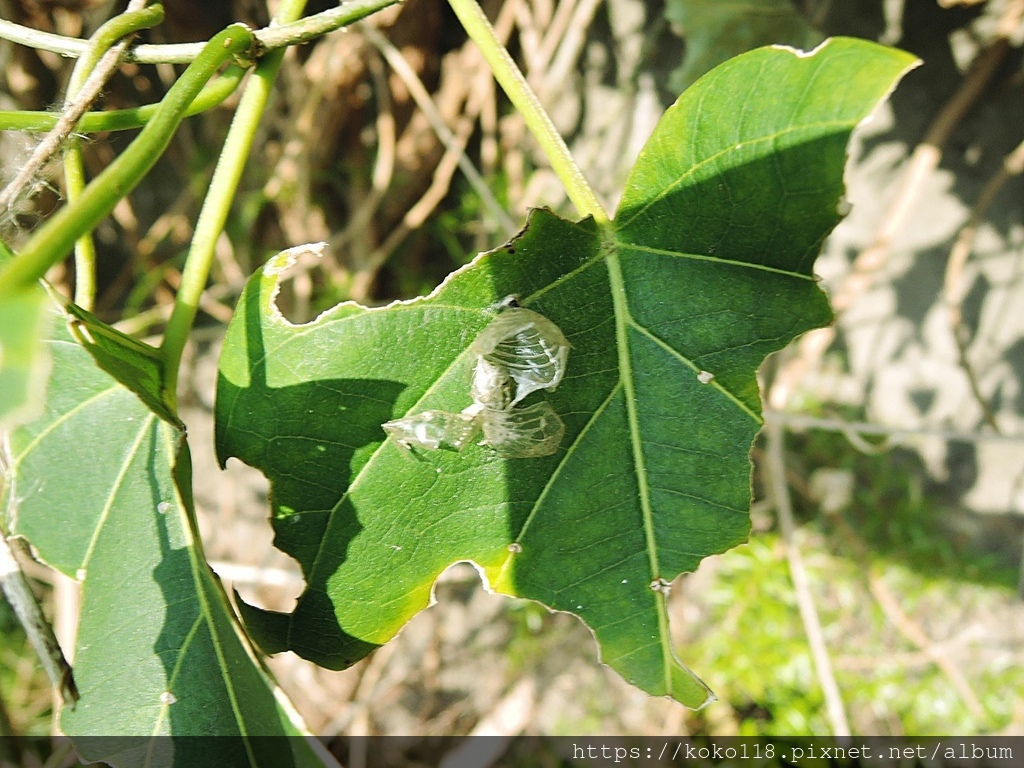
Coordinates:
669 309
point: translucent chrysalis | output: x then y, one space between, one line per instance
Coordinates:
531 348
519 352
522 433
516 433
491 386
434 429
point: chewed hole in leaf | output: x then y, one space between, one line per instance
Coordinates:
529 346
277 581
301 266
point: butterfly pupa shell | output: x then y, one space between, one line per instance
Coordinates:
432 430
491 386
522 433
531 348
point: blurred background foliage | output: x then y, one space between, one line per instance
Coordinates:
913 554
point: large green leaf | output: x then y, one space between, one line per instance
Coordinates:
669 311
101 487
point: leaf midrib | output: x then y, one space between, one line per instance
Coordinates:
622 318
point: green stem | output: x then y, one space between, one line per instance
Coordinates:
85 248
124 119
526 102
297 31
54 239
269 39
217 205
109 35
106 37
73 110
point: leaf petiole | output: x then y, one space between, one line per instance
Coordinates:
526 102
217 205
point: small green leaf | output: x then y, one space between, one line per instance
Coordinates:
669 310
24 320
101 487
715 31
134 364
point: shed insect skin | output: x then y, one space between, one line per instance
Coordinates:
523 433
529 346
491 386
433 430
520 351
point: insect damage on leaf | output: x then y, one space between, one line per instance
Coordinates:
520 352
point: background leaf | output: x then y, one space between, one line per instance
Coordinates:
706 270
716 30
158 652
24 321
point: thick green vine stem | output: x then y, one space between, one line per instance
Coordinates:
85 248
271 38
73 110
105 38
124 119
526 102
217 205
54 239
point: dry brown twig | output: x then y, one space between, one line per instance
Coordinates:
538 60
559 56
489 144
455 141
529 31
908 660
422 208
892 435
808 613
923 161
384 162
912 631
1013 165
423 100
549 59
289 184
